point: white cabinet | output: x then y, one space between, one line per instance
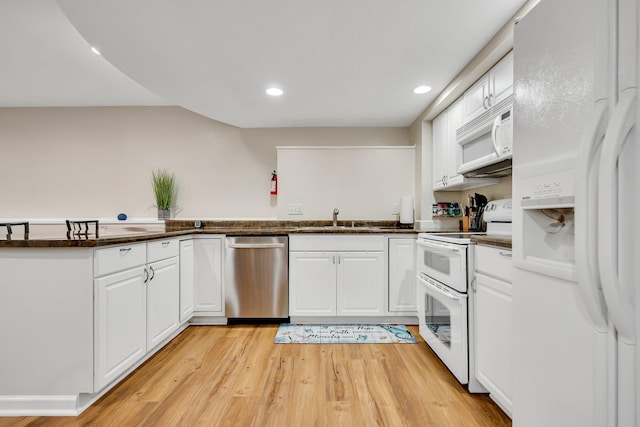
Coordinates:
312 284
163 290
360 284
163 300
446 152
121 337
402 276
493 321
336 275
187 280
120 314
501 80
440 151
136 304
489 90
208 274
475 99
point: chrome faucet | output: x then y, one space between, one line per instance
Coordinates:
335 217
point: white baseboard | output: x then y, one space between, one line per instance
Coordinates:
208 320
41 406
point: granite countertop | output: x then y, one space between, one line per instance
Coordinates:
493 240
123 234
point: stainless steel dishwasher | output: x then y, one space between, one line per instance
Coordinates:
257 277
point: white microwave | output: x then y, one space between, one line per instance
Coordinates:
487 144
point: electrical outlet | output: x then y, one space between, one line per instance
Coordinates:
395 209
295 208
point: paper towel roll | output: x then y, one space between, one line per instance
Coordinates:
406 210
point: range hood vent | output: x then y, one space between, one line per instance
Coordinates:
495 170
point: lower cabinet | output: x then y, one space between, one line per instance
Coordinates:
312 284
136 306
493 313
402 276
208 276
163 295
187 280
336 283
360 284
121 324
347 282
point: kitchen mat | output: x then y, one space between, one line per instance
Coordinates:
289 333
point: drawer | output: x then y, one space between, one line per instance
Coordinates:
118 258
162 249
495 262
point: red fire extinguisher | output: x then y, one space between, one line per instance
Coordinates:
274 183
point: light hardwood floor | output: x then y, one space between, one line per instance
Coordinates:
236 376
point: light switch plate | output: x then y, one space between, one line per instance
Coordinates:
395 209
295 209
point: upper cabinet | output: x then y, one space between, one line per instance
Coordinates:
492 88
446 153
440 151
489 90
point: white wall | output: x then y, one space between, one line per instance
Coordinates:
362 182
97 162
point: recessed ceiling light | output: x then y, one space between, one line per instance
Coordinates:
94 50
274 91
421 90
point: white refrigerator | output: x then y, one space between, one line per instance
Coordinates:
575 206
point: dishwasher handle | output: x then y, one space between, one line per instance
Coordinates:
255 245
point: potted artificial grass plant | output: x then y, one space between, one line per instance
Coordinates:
164 190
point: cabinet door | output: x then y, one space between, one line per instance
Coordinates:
120 318
163 300
440 151
501 79
402 276
312 283
187 280
494 338
361 284
475 99
454 151
208 276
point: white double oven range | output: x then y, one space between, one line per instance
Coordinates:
446 311
445 265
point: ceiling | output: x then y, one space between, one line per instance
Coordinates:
340 63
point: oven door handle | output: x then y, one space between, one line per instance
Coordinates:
438 247
439 291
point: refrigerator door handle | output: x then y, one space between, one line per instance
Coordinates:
620 307
586 220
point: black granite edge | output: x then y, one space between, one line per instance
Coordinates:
174 225
230 231
498 242
48 243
